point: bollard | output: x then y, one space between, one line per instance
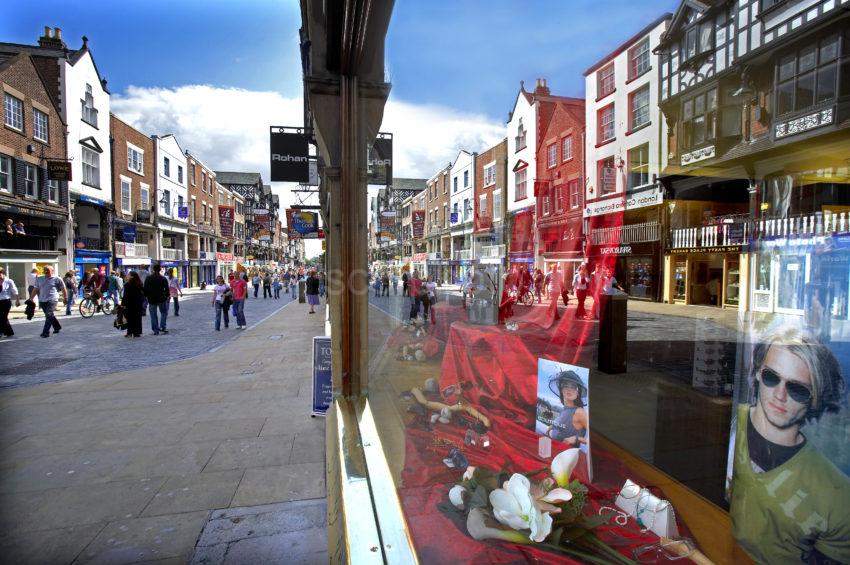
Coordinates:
612 334
302 296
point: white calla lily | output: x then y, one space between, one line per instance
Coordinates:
563 465
516 507
467 475
456 495
478 529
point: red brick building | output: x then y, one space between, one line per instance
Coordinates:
32 133
439 241
559 188
203 221
491 174
134 194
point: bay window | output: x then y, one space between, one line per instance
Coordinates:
699 39
699 119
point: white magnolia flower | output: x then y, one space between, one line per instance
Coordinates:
563 465
456 495
515 507
546 501
479 530
467 475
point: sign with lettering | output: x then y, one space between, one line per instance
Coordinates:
418 222
302 224
323 388
225 220
619 203
290 160
183 212
59 170
379 160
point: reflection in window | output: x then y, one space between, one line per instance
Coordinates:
807 77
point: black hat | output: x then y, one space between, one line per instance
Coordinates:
556 380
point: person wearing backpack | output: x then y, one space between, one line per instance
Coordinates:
157 294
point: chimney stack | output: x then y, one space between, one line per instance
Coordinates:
541 88
52 39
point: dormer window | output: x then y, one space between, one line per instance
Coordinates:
520 136
88 109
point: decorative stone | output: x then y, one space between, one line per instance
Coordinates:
419 355
431 385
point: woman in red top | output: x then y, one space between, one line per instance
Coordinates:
240 290
414 286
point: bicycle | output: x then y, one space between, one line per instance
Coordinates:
88 305
522 296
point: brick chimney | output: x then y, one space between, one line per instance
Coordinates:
52 39
541 88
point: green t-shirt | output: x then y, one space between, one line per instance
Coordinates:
781 515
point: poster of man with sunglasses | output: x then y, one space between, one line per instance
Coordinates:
789 495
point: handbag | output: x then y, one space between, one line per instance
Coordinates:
650 512
120 322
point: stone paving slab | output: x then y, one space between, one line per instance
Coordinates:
291 532
126 467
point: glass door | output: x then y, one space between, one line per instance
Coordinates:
792 274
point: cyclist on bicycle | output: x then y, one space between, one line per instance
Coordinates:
93 285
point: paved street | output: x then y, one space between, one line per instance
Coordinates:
214 457
89 347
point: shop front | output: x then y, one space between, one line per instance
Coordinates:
561 246
85 261
521 249
41 243
635 266
707 276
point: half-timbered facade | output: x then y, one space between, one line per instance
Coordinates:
756 94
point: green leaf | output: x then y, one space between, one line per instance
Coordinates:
479 498
591 522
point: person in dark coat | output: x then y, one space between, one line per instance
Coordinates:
133 302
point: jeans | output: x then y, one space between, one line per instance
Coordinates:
240 312
219 310
267 291
176 306
292 288
276 292
157 310
395 288
71 300
256 290
415 302
5 327
49 318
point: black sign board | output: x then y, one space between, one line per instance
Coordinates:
59 170
289 156
380 160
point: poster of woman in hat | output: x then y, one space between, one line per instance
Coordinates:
563 412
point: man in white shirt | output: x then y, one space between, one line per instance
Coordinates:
556 283
8 292
49 288
31 280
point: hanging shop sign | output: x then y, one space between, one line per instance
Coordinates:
129 233
289 155
418 222
226 215
59 170
262 224
387 220
224 256
715 249
182 212
322 375
453 217
302 224
379 160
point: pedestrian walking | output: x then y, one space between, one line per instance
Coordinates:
133 302
581 282
157 293
286 277
404 283
48 288
143 276
8 292
174 290
239 286
70 281
293 283
385 284
267 286
256 282
33 274
394 282
556 283
428 296
538 285
222 300
276 286
414 289
312 291
322 284
112 287
377 285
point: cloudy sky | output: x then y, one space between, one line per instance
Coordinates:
218 73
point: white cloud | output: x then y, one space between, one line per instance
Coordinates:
228 128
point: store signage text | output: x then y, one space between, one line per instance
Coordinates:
631 202
621 250
59 170
289 156
717 249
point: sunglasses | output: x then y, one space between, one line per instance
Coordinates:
797 391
